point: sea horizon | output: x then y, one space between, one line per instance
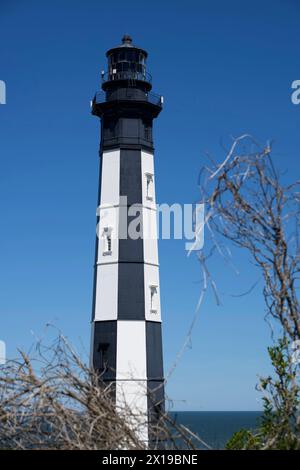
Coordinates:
215 428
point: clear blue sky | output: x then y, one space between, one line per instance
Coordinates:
225 68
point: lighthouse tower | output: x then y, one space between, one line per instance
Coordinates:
126 322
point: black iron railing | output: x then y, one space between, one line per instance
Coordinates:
119 95
126 75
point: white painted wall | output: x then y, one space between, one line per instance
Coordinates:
131 350
150 235
133 394
151 277
109 217
107 292
147 166
110 183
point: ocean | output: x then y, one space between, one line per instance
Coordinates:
216 427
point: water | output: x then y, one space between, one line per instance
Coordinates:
217 427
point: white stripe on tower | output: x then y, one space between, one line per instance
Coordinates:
106 301
151 266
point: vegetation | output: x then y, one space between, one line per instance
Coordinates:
55 401
279 428
248 205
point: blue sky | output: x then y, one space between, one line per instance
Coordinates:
224 68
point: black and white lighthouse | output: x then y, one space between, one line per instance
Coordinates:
126 323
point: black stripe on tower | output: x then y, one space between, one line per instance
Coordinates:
131 188
155 373
131 295
130 176
156 408
105 349
154 351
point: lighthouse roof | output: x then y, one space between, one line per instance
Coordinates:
126 43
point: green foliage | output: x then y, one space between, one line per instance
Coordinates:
279 427
243 439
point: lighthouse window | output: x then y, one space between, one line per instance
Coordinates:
149 186
153 299
107 241
102 350
147 132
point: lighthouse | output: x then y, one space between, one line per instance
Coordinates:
126 346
